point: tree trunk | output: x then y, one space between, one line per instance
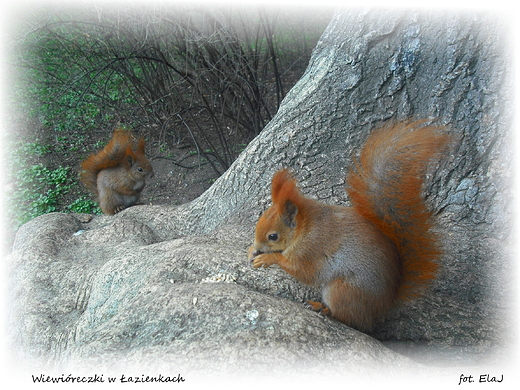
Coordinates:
133 288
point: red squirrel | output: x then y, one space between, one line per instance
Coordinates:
116 175
368 256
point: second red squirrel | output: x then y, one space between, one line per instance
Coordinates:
367 256
116 175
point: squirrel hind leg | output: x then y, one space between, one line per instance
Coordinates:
119 208
109 201
353 306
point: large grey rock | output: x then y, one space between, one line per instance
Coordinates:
113 297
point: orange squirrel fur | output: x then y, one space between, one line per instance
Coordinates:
116 175
367 256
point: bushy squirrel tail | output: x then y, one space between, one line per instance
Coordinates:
386 188
112 155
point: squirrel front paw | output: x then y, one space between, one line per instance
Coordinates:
262 260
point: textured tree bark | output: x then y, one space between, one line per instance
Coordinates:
370 67
133 287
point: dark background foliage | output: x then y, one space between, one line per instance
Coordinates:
198 82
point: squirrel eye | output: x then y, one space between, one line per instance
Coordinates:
272 237
140 169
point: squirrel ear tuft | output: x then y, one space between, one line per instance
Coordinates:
279 179
141 145
282 185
